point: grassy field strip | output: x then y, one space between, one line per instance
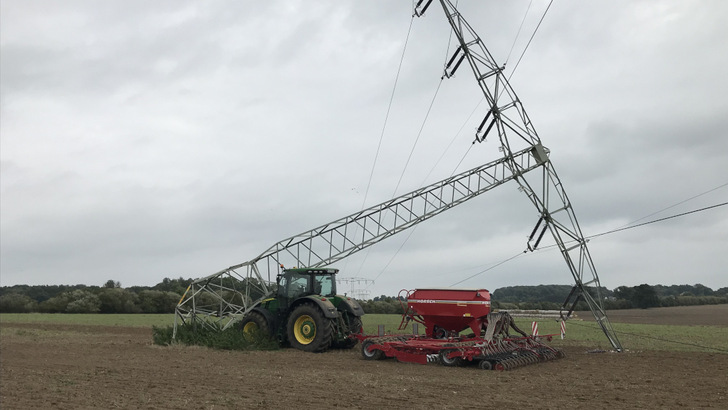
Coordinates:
117 319
637 336
583 333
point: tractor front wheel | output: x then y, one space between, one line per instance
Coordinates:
308 329
254 325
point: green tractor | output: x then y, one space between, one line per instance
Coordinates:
306 312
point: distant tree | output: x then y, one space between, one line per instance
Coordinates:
644 297
624 292
111 284
83 301
17 303
702 290
157 301
534 294
178 285
117 300
76 301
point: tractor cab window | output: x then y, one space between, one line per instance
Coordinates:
294 285
324 285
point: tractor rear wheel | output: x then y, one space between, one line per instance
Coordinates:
254 325
308 329
356 326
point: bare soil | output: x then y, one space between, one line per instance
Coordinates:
67 366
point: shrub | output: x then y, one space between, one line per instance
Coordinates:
229 339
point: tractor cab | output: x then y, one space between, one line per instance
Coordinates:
296 283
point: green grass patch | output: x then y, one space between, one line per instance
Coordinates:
116 319
636 336
372 321
578 333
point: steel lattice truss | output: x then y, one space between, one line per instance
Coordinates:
230 293
544 189
224 297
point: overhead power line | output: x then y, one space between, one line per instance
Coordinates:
389 108
658 220
530 39
519 31
595 236
679 203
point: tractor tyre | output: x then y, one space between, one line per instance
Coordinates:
356 326
254 325
309 330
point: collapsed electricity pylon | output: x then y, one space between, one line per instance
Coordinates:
225 296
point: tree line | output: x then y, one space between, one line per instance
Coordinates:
550 297
164 296
109 298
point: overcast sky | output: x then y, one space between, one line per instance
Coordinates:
143 140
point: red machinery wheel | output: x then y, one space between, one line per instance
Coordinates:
450 361
370 354
485 365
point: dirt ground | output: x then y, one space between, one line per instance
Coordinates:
69 366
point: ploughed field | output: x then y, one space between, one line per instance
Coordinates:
96 366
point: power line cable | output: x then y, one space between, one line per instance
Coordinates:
530 39
447 52
592 236
386 117
629 225
419 134
679 203
489 268
519 32
657 220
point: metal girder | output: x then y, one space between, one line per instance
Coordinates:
225 296
516 132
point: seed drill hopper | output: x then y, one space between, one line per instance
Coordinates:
447 312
